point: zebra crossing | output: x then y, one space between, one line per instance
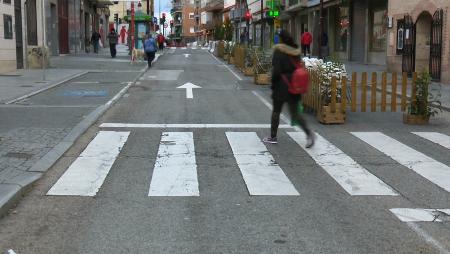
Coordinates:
175 173
175 169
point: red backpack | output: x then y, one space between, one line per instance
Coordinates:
299 81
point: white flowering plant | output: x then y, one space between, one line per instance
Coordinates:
326 71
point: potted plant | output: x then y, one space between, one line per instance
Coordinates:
324 72
262 67
424 103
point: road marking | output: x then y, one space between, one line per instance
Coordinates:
189 86
86 174
191 126
351 176
261 173
228 67
436 172
421 215
175 170
427 237
435 137
186 55
86 82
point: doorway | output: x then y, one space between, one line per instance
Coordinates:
18 30
63 26
53 33
423 41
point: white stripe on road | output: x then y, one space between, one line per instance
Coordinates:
86 174
175 170
189 126
435 137
226 66
267 103
421 215
355 179
436 172
261 173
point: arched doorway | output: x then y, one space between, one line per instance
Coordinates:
423 41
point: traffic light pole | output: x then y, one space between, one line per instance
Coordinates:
321 29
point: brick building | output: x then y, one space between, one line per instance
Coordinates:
420 37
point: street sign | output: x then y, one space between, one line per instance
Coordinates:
165 25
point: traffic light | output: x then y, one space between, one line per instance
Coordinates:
120 21
163 19
248 15
116 17
171 23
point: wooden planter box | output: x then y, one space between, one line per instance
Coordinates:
249 71
226 57
325 116
231 60
262 79
415 119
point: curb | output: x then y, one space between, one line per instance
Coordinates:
48 87
18 187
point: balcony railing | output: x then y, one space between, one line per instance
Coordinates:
214 5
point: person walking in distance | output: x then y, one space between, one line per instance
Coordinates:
123 34
95 40
161 40
286 60
113 39
150 49
306 41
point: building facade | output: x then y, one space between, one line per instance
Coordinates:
62 26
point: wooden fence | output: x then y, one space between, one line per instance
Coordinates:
358 94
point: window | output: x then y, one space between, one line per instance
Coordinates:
7 1
191 15
400 36
192 30
31 23
7 26
342 26
379 30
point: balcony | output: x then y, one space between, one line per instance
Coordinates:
295 5
214 5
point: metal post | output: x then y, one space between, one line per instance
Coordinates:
321 29
262 24
132 27
43 40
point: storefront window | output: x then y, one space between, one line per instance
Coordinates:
379 30
342 28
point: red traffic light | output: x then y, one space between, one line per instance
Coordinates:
163 15
248 15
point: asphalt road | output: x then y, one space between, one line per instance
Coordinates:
226 214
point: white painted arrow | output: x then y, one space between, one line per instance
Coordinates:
187 55
189 86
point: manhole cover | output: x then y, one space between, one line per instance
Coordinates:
18 155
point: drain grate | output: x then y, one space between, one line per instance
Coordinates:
18 155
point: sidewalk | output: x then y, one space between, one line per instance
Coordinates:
34 134
369 68
27 82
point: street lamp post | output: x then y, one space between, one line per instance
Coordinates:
43 40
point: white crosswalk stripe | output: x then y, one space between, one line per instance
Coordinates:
355 179
421 215
261 173
436 172
435 137
175 170
86 175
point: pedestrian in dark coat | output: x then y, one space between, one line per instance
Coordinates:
113 39
285 59
95 40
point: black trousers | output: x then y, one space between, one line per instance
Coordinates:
292 102
150 58
112 49
306 48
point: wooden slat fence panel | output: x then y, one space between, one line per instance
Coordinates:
373 95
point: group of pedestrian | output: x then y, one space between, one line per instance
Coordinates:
113 39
